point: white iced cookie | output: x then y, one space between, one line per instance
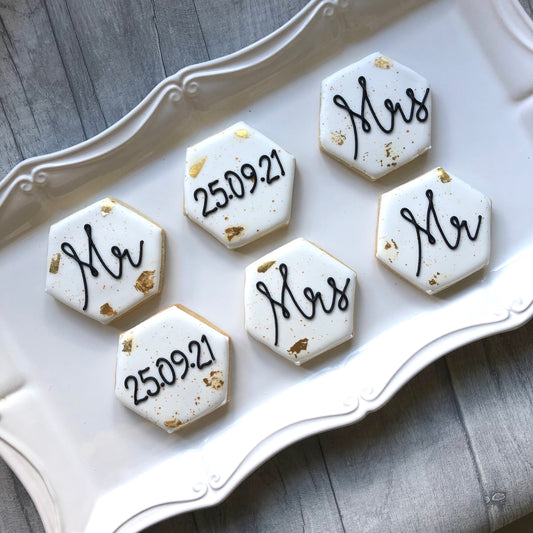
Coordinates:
238 185
173 368
299 301
434 230
105 260
375 115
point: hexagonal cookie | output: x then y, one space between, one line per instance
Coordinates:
173 368
105 259
375 115
299 301
434 230
238 185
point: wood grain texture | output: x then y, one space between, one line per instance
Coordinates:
453 451
408 467
291 492
127 35
231 25
17 513
493 383
528 6
40 112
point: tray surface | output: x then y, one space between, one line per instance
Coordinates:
61 377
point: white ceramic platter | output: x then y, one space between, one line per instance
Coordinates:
90 464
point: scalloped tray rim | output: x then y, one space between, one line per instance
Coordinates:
26 174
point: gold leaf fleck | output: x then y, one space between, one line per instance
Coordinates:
54 264
243 134
233 231
216 382
384 62
107 310
145 282
298 346
197 167
106 206
387 245
263 267
173 423
394 243
443 175
338 137
127 345
432 282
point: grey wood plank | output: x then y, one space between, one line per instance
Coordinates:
127 46
180 34
185 523
9 148
408 466
229 26
493 382
79 79
528 6
289 493
19 515
35 99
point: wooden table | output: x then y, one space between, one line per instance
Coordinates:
453 451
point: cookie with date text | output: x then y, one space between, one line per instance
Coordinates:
299 301
434 230
238 185
375 115
173 368
105 259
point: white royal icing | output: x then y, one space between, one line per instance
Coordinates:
434 230
220 174
283 308
96 263
173 368
384 89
